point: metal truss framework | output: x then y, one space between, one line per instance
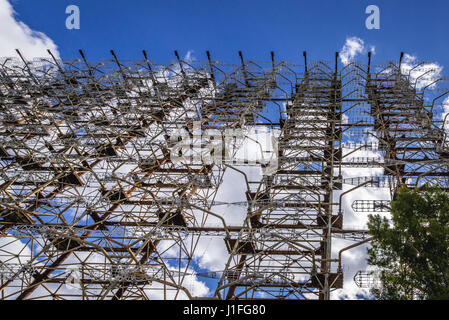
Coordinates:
89 191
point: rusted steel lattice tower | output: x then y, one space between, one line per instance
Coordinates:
107 190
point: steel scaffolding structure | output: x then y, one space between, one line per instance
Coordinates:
93 204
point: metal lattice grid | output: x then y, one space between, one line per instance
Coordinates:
89 189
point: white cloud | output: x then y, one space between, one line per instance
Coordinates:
352 47
354 260
189 57
191 283
446 105
445 112
15 34
423 74
420 74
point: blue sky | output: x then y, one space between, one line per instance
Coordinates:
255 27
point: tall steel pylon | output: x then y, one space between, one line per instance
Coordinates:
107 190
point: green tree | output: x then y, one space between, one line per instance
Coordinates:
411 250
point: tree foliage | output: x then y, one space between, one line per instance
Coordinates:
412 249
